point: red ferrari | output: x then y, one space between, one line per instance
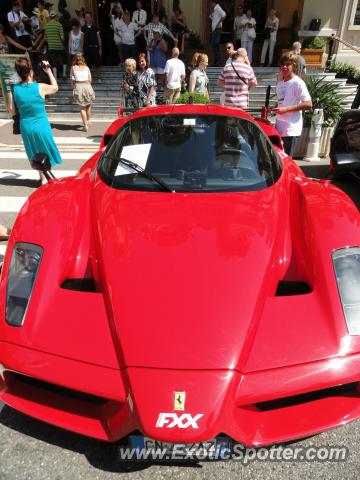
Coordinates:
188 282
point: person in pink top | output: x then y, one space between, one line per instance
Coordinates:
237 78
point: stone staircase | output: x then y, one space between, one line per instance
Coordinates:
108 96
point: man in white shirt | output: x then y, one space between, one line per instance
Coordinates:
155 24
127 31
217 16
174 75
293 97
140 17
17 20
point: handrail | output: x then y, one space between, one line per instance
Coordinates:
331 42
347 44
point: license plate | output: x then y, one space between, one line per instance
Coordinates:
211 449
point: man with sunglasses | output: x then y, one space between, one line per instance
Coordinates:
229 52
293 98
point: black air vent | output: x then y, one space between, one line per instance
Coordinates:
79 284
347 390
50 387
285 289
275 140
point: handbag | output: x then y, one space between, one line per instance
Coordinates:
266 33
251 34
16 117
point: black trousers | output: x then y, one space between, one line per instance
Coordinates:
24 40
127 51
140 43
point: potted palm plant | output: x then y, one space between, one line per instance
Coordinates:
324 95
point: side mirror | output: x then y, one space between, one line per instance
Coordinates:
345 163
41 162
107 139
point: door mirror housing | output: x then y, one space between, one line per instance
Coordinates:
345 163
41 163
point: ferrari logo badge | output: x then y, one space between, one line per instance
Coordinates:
179 400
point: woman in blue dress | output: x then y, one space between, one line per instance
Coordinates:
158 49
29 98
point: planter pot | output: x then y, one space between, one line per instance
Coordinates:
314 57
303 140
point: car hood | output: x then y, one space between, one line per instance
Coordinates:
185 272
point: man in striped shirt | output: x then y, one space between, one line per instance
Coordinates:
54 36
237 78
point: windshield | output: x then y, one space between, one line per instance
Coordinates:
190 153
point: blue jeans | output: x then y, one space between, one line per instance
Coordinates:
215 41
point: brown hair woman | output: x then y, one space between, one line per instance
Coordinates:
29 97
83 92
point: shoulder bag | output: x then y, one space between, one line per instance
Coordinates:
16 117
237 73
251 33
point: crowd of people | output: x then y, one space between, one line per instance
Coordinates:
143 51
46 32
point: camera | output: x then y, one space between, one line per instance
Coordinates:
44 64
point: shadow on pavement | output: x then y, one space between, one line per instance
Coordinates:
101 455
66 127
14 182
315 171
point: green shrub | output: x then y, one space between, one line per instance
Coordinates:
324 95
197 98
351 70
314 42
334 67
346 70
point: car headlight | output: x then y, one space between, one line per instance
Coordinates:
24 266
347 270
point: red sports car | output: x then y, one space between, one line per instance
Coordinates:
188 282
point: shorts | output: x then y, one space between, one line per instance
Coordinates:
171 94
92 56
56 58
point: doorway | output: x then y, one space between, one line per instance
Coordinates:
110 55
259 12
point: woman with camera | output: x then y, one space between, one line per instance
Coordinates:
29 98
130 86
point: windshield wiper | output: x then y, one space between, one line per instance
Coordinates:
142 171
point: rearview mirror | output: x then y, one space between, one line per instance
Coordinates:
41 162
345 163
